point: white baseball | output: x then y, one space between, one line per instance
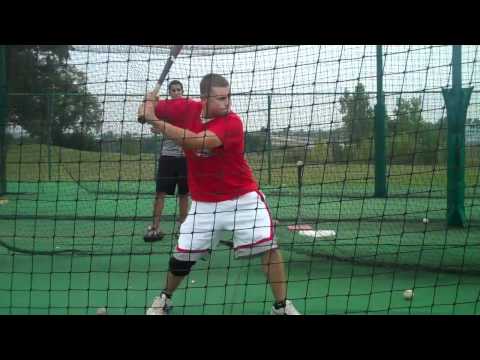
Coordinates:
425 220
102 311
408 294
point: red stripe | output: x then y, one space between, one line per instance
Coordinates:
272 225
254 244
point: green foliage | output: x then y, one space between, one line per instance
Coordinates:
362 151
472 157
129 144
407 116
9 139
39 69
292 154
77 140
320 153
400 148
150 145
256 141
358 115
327 152
411 138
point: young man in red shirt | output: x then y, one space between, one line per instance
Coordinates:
225 195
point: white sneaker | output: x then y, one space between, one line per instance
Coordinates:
289 309
161 305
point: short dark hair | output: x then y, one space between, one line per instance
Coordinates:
174 82
212 80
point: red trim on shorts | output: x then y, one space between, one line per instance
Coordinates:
190 251
272 226
254 244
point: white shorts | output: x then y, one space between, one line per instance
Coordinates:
247 216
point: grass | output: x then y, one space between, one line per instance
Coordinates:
126 285
30 163
326 186
371 230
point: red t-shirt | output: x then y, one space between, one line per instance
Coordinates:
213 175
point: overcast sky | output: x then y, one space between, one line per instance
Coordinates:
118 73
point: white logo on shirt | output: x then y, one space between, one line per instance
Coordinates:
204 153
205 120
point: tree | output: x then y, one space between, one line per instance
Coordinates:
408 115
255 141
129 144
473 121
39 70
358 115
413 137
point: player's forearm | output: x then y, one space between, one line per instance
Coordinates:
175 133
146 110
183 137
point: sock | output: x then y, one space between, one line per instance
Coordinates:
280 304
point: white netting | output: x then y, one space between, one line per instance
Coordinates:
307 80
188 50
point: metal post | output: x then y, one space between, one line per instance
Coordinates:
457 100
269 140
380 162
50 115
3 119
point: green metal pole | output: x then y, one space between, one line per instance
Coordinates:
457 100
457 67
269 140
380 162
50 114
3 119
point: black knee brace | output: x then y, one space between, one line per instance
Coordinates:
180 268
